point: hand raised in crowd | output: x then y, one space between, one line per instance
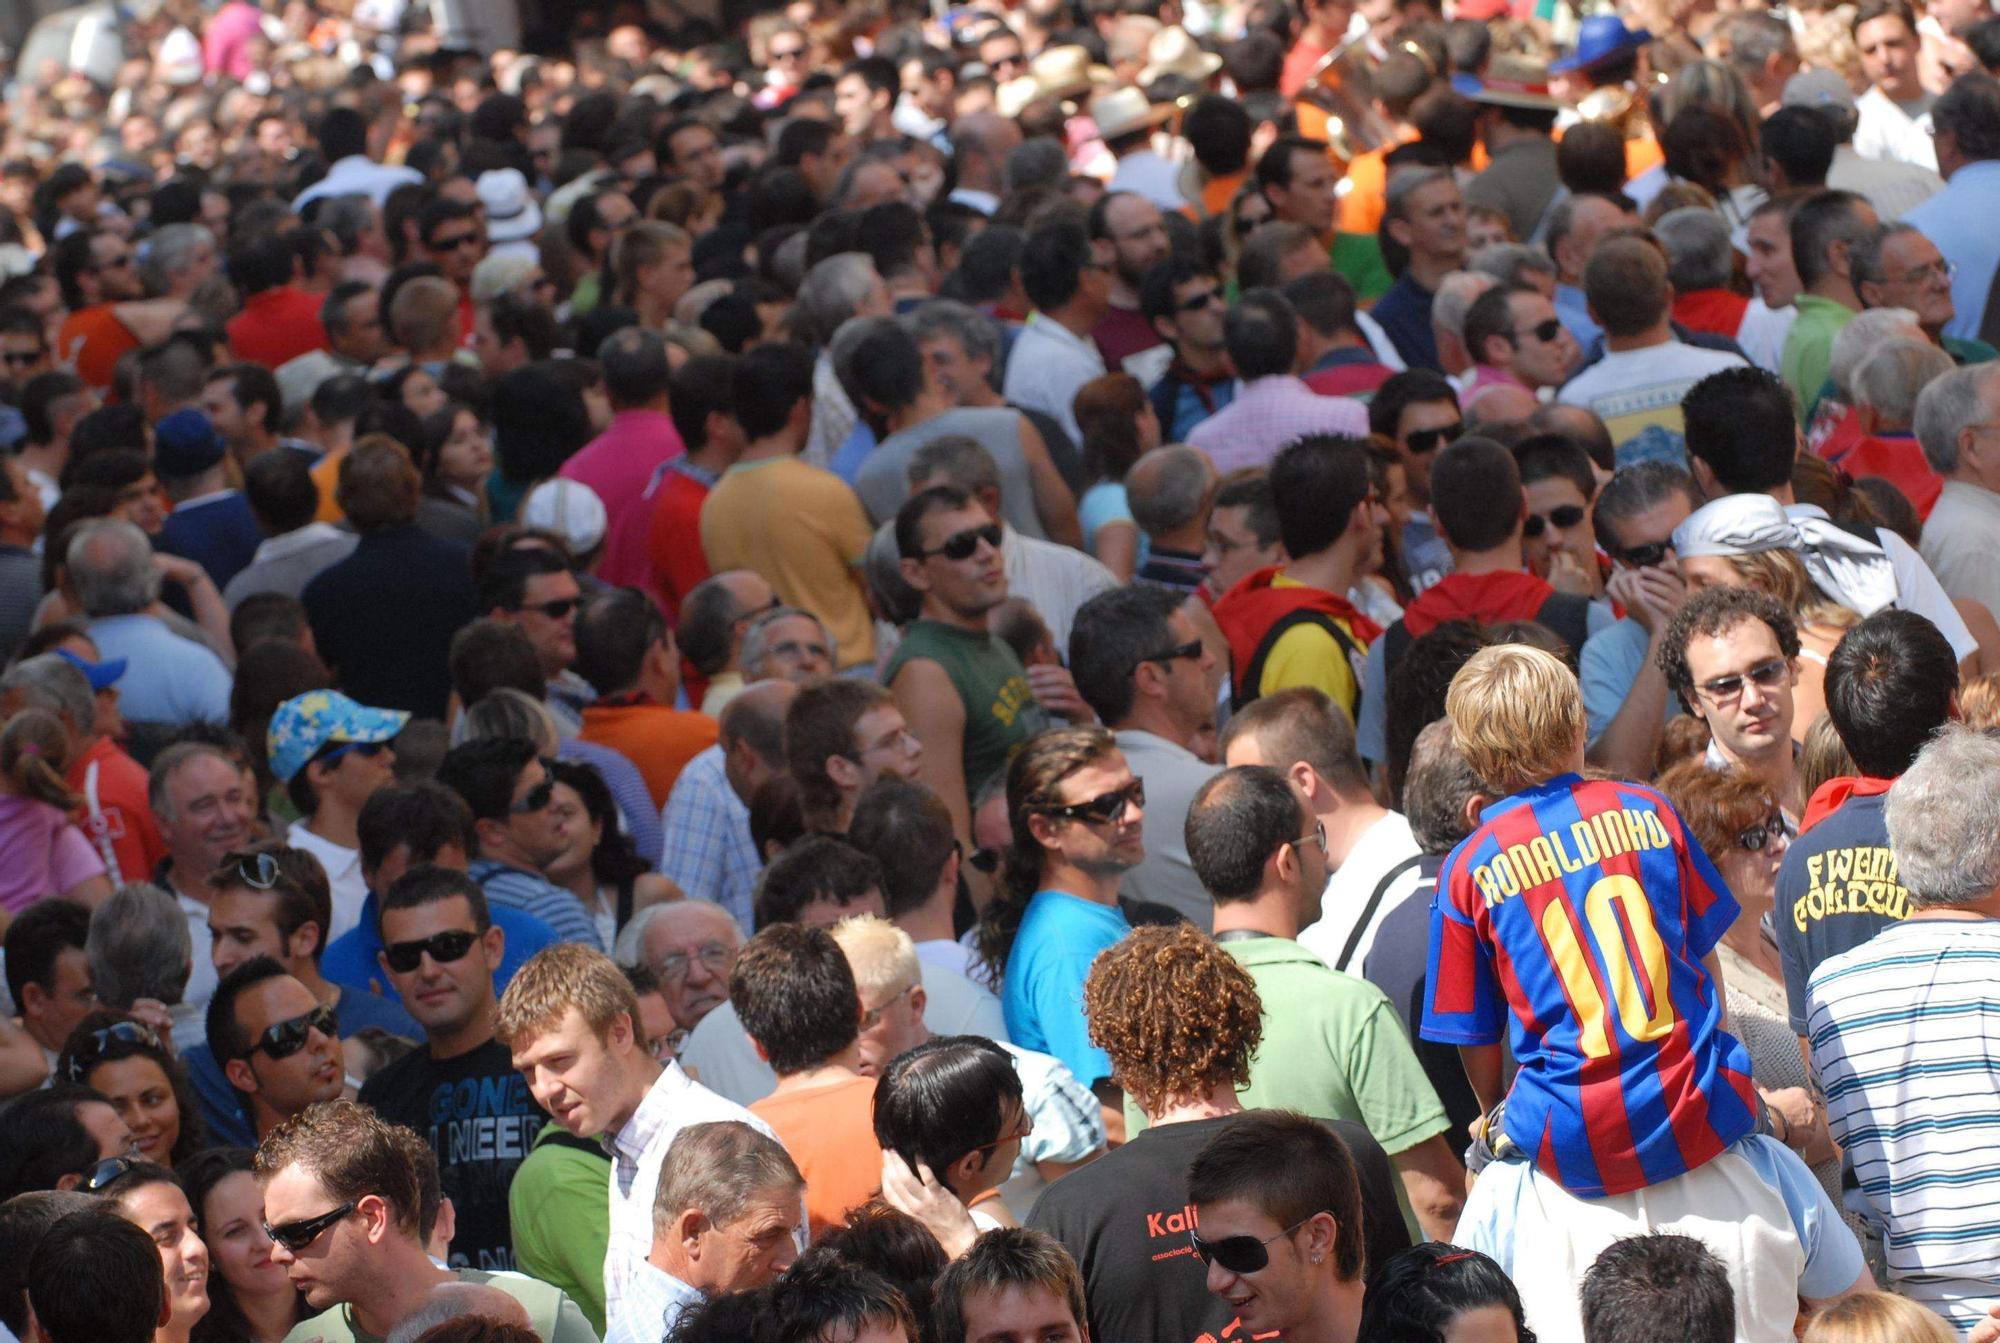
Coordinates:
1055 690
919 1194
1650 595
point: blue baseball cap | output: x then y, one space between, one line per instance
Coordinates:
306 724
101 675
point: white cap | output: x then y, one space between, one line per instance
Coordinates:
570 509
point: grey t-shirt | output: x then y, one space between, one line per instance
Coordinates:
883 481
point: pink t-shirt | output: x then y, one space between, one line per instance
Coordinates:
225 46
41 853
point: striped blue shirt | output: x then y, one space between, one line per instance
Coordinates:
1905 1036
531 893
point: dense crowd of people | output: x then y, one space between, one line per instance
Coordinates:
885 673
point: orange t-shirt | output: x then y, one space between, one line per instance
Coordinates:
326 475
93 340
829 1129
658 739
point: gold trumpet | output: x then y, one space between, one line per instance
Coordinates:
1343 86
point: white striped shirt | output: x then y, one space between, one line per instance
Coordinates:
1905 1036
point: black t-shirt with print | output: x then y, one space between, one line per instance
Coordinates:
1398 963
477 1115
1124 1218
1836 889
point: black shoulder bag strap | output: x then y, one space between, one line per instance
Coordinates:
1374 902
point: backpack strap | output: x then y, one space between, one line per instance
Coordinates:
1245 688
1373 903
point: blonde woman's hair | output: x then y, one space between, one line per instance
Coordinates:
1783 574
881 955
508 712
1979 702
34 751
1823 756
643 245
1516 715
1878 1317
560 977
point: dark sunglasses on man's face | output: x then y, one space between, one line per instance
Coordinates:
1240 1254
367 749
453 244
538 798
444 948
1561 517
1196 302
1648 555
1105 808
1188 652
23 358
1430 440
554 610
295 1236
283 1039
965 544
1543 331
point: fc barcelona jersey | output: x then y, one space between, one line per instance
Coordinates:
1577 915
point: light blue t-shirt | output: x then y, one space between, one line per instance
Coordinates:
1042 995
1102 503
170 679
1611 660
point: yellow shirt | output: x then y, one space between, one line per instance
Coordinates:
1308 655
802 529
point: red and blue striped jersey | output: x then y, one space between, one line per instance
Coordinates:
1577 916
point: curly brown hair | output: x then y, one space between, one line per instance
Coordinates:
1177 1014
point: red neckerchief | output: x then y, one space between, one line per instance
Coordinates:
1506 594
1830 796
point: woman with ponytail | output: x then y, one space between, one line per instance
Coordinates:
41 852
1075 810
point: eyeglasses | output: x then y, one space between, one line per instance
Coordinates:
665 1048
1016 1132
258 871
1646 556
792 648
1318 836
1562 517
444 948
872 1018
1239 1254
23 358
1940 269
714 958
1103 809
538 798
1544 331
116 263
1196 302
788 54
295 1236
368 750
1759 837
965 544
1766 675
1430 440
453 244
1190 651
283 1039
103 1174
554 610
131 1034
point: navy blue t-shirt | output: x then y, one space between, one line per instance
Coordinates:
1836 889
219 533
1397 962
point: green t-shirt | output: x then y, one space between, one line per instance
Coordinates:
1358 258
1808 351
1000 710
556 1318
561 1215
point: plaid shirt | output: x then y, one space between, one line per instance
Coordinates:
1069 1124
673 1102
1269 414
653 1304
705 845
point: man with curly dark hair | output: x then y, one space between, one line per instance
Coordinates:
1180 1018
1731 655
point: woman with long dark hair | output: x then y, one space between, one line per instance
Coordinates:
251 1299
1433 1292
120 1057
150 1197
601 865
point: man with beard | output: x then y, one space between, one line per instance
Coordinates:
1138 238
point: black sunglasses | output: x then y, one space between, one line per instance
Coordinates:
1430 440
554 610
1648 555
1757 837
132 1034
452 244
1196 302
24 357
369 749
1543 331
1190 651
444 948
1562 516
295 1236
985 859
1239 1254
538 798
1103 809
283 1039
103 1174
965 544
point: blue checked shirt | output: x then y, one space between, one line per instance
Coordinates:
705 842
531 893
653 1303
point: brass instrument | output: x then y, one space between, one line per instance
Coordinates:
1343 86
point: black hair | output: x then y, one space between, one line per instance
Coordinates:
826 1298
42 1140
906 829
1289 1167
794 992
767 385
635 367
818 867
1162 278
1052 262
946 1097
1800 140
262 263
615 631
342 133
37 937
1889 686
1658 1285
1219 131
1717 611
23 1223
281 491
1415 1296
73 1062
484 773
701 389
1110 636
614 859
504 585
1555 457
1412 387
1476 493
1742 424
888 370
1238 819
96 1278
429 884
1416 690
226 1036
892 233
1262 333
1316 483
539 421
425 817
909 525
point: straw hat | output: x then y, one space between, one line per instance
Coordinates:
1175 52
1059 72
1124 110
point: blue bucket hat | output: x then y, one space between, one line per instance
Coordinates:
306 724
1601 38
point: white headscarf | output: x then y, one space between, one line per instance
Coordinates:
1851 571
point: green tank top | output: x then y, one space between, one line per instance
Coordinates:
1000 711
